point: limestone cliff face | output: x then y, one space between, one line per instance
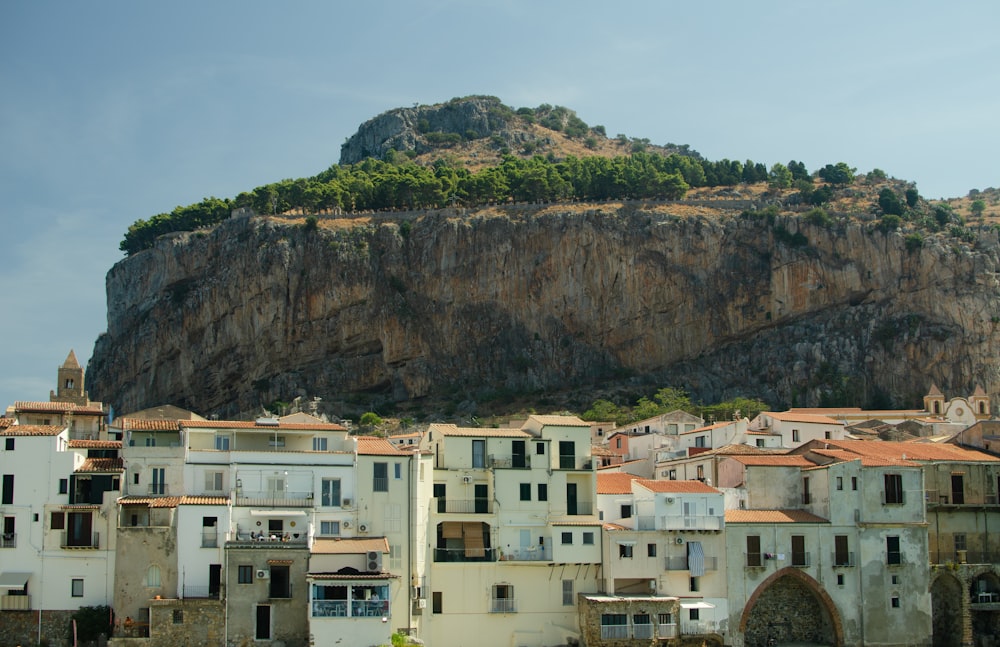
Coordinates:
546 298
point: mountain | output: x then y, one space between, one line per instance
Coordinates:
731 291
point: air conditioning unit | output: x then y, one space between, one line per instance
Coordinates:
363 526
263 573
670 499
346 524
345 503
466 479
421 603
679 541
373 559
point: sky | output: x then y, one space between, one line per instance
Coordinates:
117 110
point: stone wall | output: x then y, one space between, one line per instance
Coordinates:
186 622
22 628
788 611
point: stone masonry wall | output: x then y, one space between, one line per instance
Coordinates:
21 628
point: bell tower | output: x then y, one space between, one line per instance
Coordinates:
70 383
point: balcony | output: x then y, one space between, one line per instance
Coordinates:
964 557
680 563
15 602
843 560
358 608
458 555
643 631
614 632
274 498
568 462
509 462
753 560
690 522
157 489
532 554
200 592
503 605
936 498
479 505
8 540
77 541
801 560
210 539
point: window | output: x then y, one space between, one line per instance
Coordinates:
135 479
588 539
957 489
894 579
543 492
159 484
840 579
63 486
892 554
320 444
826 435
213 481
329 528
276 441
760 442
178 616
695 584
894 601
626 511
503 599
222 442
701 472
567 538
380 472
673 475
479 453
526 491
840 482
567 593
209 532
841 556
245 574
618 443
959 541
854 483
57 521
699 441
624 551
795 436
614 626
150 441
76 587
7 497
753 550
693 614
397 471
9 444
281 585
650 550
799 555
276 486
330 492
665 619
540 448
893 493
806 498
153 576
436 602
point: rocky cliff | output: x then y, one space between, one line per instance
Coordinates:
547 298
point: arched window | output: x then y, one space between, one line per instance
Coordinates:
153 576
69 383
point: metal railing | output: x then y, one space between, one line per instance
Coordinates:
938 497
210 539
478 505
503 605
667 631
509 462
202 592
843 560
536 554
458 555
801 560
614 632
680 563
642 631
380 484
274 498
78 541
157 489
8 540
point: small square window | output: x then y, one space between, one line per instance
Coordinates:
526 491
178 616
9 444
895 579
539 448
588 539
894 601
693 614
840 579
624 551
567 538
695 584
650 550
245 574
63 486
76 587
626 511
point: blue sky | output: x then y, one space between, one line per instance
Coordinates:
118 110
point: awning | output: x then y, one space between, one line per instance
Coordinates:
696 559
9 580
623 542
277 513
697 605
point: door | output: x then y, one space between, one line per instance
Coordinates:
79 528
799 551
525 541
957 489
842 556
479 453
439 494
482 498
263 625
159 487
214 579
518 458
567 455
571 506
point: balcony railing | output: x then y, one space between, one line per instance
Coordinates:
509 462
667 631
691 522
80 541
202 592
843 560
568 462
801 560
582 508
8 540
479 505
753 560
380 484
458 555
964 557
210 539
274 498
536 554
614 632
642 631
503 605
15 602
937 497
680 563
157 489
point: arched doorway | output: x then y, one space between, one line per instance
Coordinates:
946 610
790 607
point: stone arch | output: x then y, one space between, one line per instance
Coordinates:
947 599
796 575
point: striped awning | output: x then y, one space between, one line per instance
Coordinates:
11 580
696 559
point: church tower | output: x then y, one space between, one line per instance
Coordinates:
70 383
934 401
980 403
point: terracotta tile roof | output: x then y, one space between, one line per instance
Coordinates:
95 444
745 450
935 390
560 421
6 422
32 430
252 424
614 483
615 527
910 451
866 461
601 450
374 446
101 465
792 460
204 500
349 546
24 406
146 424
793 416
478 432
134 500
660 485
166 501
761 432
772 516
